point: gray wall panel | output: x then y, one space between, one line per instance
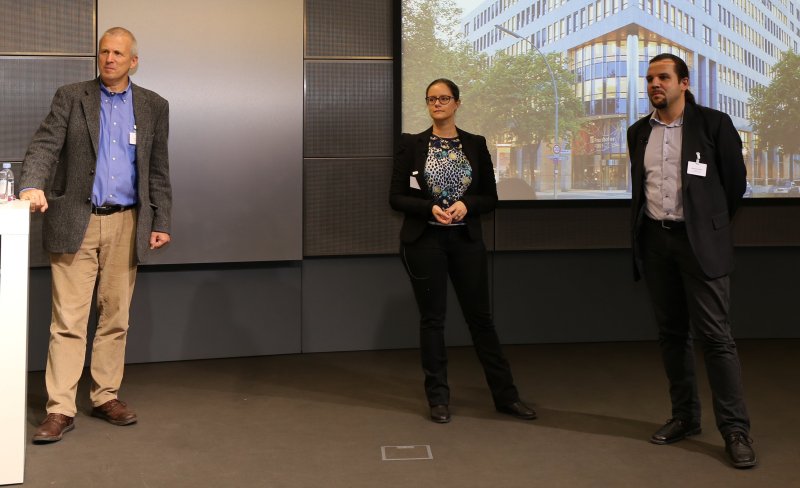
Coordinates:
569 296
212 313
365 303
348 109
346 214
539 297
349 28
190 313
27 86
233 74
47 27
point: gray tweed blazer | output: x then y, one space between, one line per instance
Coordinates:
62 158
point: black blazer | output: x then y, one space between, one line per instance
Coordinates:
417 204
709 202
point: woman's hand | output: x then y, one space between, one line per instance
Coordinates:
441 216
457 211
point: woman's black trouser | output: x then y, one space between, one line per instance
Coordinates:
448 251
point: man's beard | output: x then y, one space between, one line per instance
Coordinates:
659 105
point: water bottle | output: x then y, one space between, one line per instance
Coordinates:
6 183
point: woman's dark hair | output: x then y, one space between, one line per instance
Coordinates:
680 69
453 87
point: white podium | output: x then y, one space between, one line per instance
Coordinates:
14 236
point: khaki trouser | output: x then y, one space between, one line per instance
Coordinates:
106 257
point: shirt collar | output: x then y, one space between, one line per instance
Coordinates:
654 120
110 93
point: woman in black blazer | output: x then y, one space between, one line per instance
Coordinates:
442 180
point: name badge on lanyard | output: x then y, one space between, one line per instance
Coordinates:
696 167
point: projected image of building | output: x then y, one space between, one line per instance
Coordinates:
730 48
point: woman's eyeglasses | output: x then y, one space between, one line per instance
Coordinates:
444 99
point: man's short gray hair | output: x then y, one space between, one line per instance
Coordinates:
121 31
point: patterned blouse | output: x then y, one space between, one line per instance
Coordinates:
447 170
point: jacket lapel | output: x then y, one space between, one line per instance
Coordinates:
421 155
91 111
642 135
692 130
470 151
141 115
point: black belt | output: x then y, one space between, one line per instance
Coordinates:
110 209
669 224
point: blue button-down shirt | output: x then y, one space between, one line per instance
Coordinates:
115 177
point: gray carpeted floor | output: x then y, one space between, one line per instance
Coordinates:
321 420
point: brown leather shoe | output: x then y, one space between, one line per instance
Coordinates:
115 412
53 428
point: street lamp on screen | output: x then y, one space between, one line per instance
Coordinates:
555 100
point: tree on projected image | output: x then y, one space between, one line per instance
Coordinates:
433 48
775 114
513 103
509 99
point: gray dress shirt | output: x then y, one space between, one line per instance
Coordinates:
662 164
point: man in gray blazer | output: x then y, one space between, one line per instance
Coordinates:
98 168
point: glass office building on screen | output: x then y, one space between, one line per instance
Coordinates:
731 47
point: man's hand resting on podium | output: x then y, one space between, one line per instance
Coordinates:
36 197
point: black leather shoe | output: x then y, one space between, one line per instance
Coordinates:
675 430
440 414
518 410
739 448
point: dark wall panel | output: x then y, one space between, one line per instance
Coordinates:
346 207
348 109
764 292
587 225
540 228
47 27
768 225
27 85
181 313
349 28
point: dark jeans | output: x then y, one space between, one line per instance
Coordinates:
448 251
683 295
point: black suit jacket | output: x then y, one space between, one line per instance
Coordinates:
417 204
709 202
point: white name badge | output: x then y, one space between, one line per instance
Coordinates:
132 138
696 167
412 182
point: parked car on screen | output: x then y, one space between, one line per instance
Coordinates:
782 186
